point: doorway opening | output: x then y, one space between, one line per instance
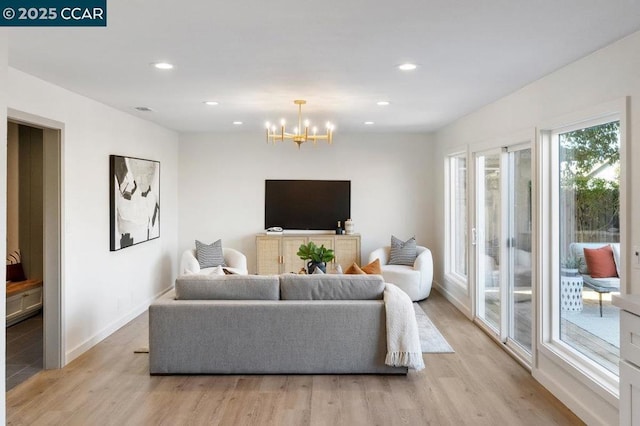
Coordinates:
33 298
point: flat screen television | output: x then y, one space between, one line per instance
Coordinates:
306 204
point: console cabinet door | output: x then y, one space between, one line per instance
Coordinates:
347 251
290 260
268 249
277 254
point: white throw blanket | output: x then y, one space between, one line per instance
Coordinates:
403 340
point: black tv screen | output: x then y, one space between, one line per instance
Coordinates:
307 204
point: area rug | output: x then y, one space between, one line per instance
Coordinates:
605 327
431 341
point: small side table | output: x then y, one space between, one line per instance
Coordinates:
571 293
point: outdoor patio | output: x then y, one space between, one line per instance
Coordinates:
596 337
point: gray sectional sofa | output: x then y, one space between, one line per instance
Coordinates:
287 324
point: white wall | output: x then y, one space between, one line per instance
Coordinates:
606 75
102 290
222 178
4 40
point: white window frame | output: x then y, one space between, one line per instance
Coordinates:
587 371
451 275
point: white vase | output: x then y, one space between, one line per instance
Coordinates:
348 226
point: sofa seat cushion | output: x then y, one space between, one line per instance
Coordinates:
331 287
405 277
228 287
219 270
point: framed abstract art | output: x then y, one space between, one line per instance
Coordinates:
134 202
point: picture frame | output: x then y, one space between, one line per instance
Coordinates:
134 201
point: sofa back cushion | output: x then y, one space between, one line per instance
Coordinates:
228 287
331 287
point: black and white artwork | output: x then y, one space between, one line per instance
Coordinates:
134 201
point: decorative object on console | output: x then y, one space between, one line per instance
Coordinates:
300 134
317 256
209 255
402 252
134 201
348 226
339 228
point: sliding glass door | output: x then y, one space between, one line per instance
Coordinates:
503 245
519 248
488 233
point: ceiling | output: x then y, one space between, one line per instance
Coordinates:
255 57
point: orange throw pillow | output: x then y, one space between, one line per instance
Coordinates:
373 268
354 269
600 262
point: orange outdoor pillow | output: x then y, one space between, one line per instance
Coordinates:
354 269
373 268
600 262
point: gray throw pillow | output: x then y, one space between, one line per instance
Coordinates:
402 252
209 255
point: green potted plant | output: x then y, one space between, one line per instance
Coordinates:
570 265
317 256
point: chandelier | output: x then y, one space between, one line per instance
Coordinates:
300 134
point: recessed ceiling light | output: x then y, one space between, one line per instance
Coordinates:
237 123
383 103
144 109
368 123
211 103
162 65
407 67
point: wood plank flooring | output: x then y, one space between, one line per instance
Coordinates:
109 385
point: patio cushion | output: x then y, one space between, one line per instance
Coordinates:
600 262
602 284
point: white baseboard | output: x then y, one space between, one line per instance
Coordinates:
110 329
459 304
568 397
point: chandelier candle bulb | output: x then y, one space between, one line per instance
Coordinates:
300 136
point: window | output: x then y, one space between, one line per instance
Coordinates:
457 255
588 192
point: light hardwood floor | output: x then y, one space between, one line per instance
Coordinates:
110 385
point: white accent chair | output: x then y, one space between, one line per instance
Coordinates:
236 263
414 280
